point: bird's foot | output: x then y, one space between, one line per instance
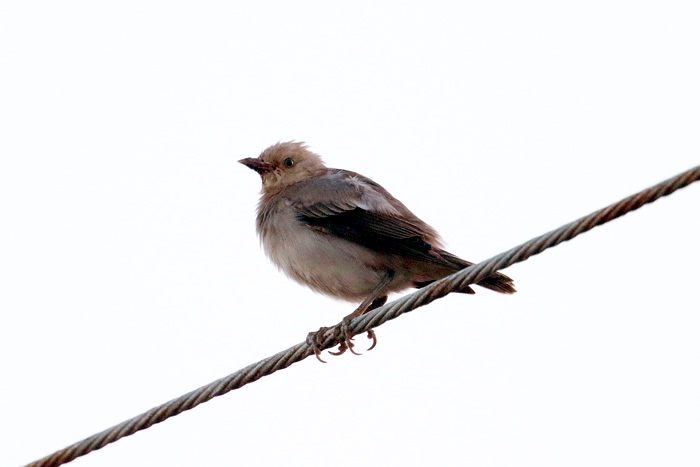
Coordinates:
347 343
342 332
314 340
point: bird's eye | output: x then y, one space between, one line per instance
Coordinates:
288 162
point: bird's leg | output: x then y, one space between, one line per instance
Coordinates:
374 300
347 343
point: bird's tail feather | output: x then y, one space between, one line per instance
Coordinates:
497 282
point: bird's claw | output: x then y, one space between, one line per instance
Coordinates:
373 336
346 342
313 339
342 348
347 335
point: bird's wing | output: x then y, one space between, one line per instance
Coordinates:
357 209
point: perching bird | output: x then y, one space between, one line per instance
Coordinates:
344 235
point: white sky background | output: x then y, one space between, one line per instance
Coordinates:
130 272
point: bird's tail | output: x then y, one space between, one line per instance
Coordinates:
497 282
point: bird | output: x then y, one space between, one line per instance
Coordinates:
345 236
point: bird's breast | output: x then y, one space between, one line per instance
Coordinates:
327 264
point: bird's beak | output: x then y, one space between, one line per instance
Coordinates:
256 164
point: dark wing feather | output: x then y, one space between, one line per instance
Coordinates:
343 211
375 231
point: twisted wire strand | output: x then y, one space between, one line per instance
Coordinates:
370 320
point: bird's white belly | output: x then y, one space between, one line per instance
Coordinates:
329 265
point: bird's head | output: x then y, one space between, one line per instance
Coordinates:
284 164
